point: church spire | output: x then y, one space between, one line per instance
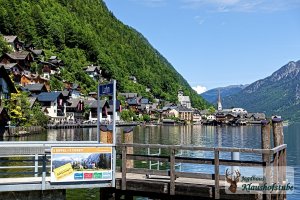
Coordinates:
219 102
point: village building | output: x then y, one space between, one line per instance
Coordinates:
38 54
23 58
185 113
128 95
75 110
32 101
184 100
93 94
35 88
134 103
14 69
33 79
14 42
6 88
92 106
197 119
109 117
133 79
239 111
48 69
211 117
53 104
54 60
94 72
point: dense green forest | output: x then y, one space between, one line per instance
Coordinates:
83 32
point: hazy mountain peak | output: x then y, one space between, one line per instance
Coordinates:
290 70
279 94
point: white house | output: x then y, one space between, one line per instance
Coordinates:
53 104
184 100
211 117
239 110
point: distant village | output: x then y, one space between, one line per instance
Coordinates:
69 105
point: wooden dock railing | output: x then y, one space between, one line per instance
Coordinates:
277 157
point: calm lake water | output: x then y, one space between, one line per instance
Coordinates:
207 136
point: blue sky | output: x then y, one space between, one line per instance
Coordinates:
214 43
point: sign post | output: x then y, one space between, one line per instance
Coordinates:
108 90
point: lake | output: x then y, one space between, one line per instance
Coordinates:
207 136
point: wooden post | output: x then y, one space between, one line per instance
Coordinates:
106 135
217 181
128 139
124 159
172 172
278 140
266 144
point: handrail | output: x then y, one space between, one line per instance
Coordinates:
172 158
198 148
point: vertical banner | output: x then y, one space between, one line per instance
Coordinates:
74 164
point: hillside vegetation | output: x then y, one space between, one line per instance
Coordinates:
83 32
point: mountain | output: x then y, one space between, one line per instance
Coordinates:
81 34
277 94
212 95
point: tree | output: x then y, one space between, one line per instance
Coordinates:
21 114
4 47
146 118
38 117
211 110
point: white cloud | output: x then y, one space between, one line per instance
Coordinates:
199 20
242 5
199 89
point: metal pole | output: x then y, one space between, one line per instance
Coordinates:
114 133
98 115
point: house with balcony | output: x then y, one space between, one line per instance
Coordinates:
92 106
75 110
53 104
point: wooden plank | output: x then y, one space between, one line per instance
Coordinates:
208 161
217 183
196 191
172 172
197 148
148 158
198 175
149 172
124 153
239 163
278 148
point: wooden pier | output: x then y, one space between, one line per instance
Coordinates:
136 177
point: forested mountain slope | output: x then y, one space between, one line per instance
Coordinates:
277 94
83 32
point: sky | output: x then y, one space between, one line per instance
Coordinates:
216 43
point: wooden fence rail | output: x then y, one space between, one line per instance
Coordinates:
171 174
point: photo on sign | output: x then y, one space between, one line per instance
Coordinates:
80 167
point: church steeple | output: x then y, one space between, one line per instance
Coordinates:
219 102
